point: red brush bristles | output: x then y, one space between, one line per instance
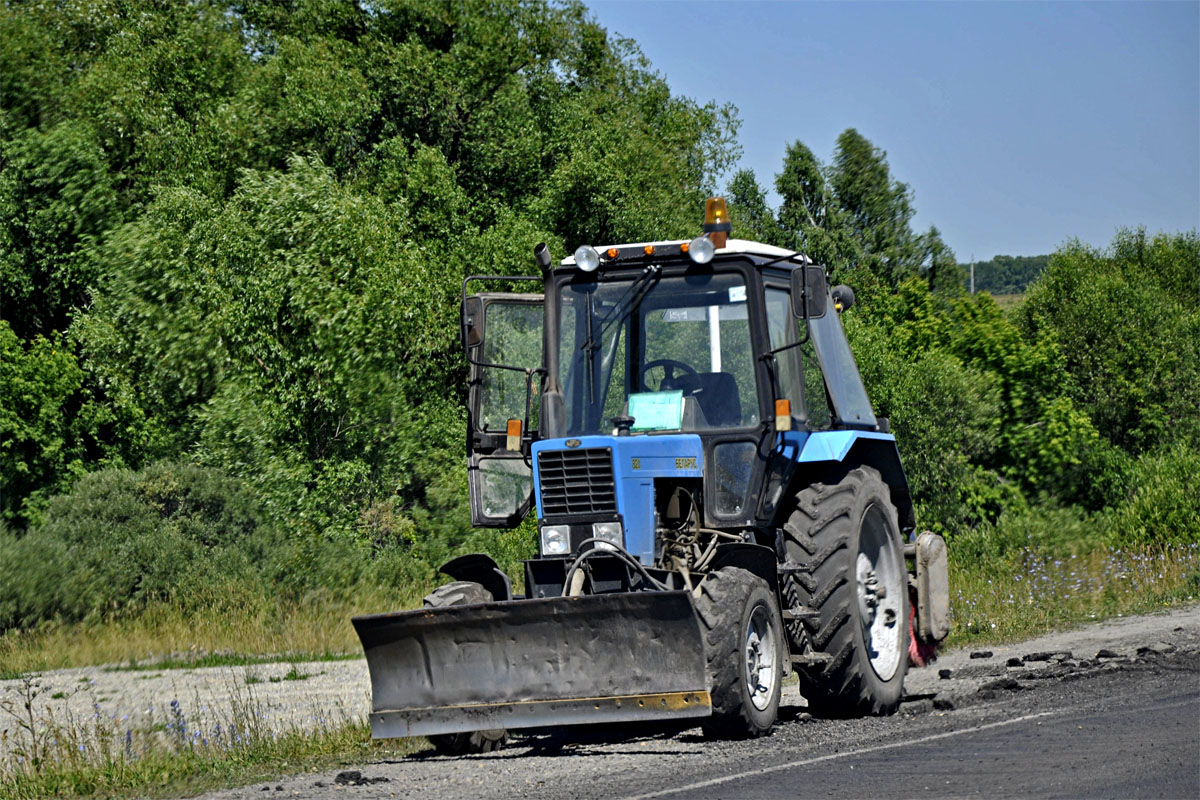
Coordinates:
919 653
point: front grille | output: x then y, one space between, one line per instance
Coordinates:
577 482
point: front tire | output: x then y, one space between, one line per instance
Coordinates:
848 536
744 648
461 593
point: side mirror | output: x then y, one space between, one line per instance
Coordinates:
809 300
472 322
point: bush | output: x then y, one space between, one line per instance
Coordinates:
1127 324
946 419
1162 506
1053 532
123 539
1061 458
38 381
195 538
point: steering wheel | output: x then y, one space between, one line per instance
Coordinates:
669 365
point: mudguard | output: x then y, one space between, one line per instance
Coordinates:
534 663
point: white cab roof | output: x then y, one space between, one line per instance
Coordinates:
731 246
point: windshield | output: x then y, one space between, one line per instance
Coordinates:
672 353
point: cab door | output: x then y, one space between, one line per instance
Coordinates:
502 334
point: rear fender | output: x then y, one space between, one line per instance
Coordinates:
883 455
803 458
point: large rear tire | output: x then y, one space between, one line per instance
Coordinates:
848 536
744 647
460 593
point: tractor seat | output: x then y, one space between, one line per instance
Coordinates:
717 395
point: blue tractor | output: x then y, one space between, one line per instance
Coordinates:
717 507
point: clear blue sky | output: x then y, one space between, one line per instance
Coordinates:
1018 125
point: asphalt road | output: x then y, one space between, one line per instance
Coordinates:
1080 744
1112 711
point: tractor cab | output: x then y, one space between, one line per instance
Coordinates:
636 356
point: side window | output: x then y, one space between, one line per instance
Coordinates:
846 391
500 481
514 338
781 328
814 388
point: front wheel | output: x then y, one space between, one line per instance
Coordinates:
744 647
848 537
461 593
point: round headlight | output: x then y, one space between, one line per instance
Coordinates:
701 249
586 258
609 534
555 540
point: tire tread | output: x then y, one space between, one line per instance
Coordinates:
723 598
821 525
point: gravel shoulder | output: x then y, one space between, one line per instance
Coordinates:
964 676
276 697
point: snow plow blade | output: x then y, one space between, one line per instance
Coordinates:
535 663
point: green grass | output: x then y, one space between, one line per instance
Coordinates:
49 757
11 672
1027 592
98 758
230 660
166 636
1008 301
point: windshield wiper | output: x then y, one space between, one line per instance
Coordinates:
636 291
630 300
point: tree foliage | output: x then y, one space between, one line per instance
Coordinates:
39 380
1127 321
244 226
1006 274
232 241
1054 403
850 215
876 208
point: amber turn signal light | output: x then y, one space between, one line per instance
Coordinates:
783 415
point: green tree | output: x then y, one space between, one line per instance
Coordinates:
751 216
850 216
879 208
802 187
256 216
1127 324
814 222
939 264
57 197
1006 274
51 427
